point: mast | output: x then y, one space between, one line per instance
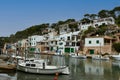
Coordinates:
100 48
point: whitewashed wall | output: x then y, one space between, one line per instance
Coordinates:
94 42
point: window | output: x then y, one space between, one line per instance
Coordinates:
73 43
96 25
30 39
67 43
73 38
90 42
103 23
68 38
97 41
60 43
30 44
78 37
56 42
51 42
78 43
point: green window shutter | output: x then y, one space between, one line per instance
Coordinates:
67 50
72 50
91 51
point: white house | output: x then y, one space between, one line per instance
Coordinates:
64 28
68 42
94 42
32 40
96 45
97 22
23 43
107 21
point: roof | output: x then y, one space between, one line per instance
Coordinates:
118 34
105 37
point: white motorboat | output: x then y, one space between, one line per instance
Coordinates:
80 56
116 57
41 67
100 57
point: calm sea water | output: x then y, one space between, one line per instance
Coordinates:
80 69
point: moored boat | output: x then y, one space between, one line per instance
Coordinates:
7 65
116 57
80 56
41 67
100 57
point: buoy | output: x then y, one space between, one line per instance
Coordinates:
55 78
56 74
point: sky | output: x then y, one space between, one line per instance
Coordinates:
17 15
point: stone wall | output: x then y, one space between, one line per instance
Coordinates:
97 50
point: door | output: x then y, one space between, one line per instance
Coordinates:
91 51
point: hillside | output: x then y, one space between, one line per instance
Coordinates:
37 29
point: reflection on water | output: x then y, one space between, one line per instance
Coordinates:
96 67
80 69
27 76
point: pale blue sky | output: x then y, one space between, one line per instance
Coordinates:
16 15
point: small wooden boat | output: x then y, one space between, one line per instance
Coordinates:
8 66
41 67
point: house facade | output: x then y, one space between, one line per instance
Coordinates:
98 45
69 42
32 40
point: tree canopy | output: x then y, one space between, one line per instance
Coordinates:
116 47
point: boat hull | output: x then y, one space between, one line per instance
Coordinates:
116 57
98 57
80 57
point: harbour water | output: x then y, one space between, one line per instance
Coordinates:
80 69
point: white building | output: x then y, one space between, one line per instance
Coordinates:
64 29
32 40
96 23
96 45
98 41
23 43
68 42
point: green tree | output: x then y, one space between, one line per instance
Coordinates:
93 16
118 21
101 29
70 20
73 26
116 47
90 30
87 16
116 11
85 20
103 13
